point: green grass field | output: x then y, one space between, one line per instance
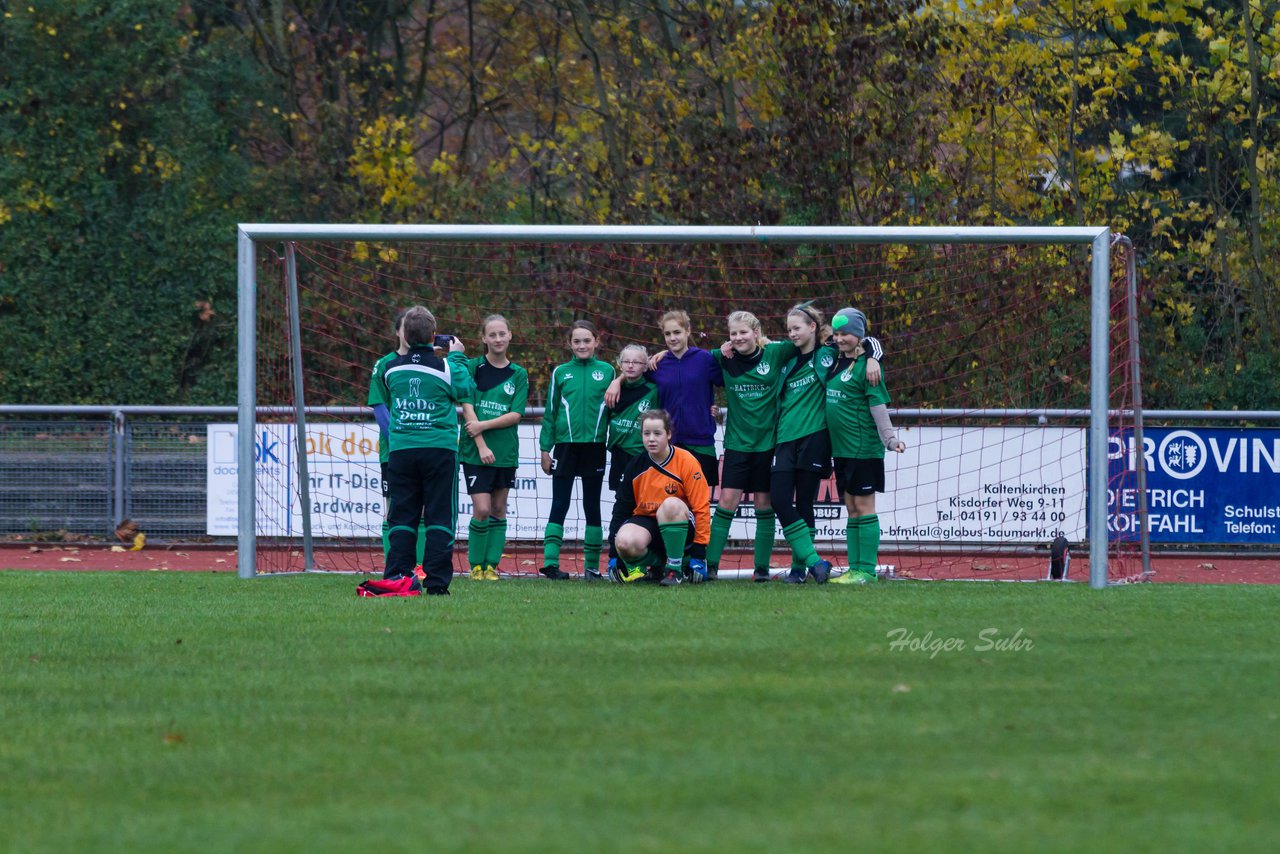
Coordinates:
163 712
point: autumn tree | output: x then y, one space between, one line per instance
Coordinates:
122 173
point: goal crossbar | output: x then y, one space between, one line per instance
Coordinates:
1099 238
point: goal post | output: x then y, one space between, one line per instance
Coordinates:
1099 239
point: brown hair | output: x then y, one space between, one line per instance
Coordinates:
484 326
814 316
584 324
490 319
419 327
657 415
680 317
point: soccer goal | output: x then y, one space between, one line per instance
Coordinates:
1011 357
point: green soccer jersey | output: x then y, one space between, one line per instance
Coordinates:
377 397
498 391
751 385
849 401
422 390
575 403
802 403
635 399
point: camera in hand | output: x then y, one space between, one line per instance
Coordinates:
443 341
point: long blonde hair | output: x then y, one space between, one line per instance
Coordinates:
746 318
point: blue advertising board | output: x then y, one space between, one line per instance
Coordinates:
1204 485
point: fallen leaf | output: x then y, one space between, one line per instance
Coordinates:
1207 566
220 560
139 541
981 567
69 559
172 738
901 688
118 549
35 549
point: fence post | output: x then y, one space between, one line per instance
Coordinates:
119 447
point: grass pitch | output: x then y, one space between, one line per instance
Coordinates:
161 712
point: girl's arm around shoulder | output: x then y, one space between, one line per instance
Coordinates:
871 346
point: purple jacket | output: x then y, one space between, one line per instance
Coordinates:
685 391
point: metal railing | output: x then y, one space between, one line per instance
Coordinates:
84 469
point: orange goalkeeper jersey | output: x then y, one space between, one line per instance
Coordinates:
646 484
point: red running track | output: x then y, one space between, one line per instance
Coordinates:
1231 569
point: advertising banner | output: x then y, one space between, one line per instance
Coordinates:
345 484
1014 485
1204 485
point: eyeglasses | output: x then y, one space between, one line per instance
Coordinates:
632 362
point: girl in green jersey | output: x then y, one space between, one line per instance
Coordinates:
860 429
572 440
489 446
752 367
802 459
636 395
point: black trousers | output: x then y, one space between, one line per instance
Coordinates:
793 493
422 484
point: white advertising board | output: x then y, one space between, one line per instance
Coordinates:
1012 485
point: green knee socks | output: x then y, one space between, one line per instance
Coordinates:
477 542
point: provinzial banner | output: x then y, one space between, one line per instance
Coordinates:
1204 485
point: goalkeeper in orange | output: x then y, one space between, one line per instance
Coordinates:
662 511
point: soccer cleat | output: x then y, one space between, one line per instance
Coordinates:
855 576
697 572
491 574
820 571
592 575
628 574
477 573
760 576
671 579
795 576
554 572
713 572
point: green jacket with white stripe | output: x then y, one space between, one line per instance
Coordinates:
575 403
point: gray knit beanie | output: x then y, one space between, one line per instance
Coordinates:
850 321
